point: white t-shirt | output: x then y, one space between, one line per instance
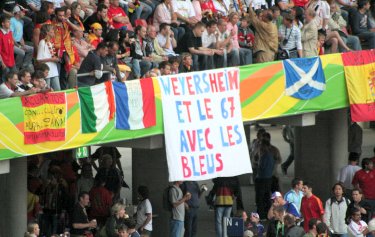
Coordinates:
208 40
355 230
223 9
185 8
322 11
346 175
44 53
142 209
162 40
5 92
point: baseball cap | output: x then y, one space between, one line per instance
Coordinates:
96 26
276 194
16 9
371 225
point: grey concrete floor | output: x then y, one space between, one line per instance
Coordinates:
206 217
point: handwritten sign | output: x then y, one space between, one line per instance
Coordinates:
44 117
203 126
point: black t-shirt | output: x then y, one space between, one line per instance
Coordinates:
79 216
90 63
189 41
93 19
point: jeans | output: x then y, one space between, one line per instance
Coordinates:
176 228
54 83
246 56
24 56
234 58
178 32
146 10
191 222
369 37
220 213
263 196
353 42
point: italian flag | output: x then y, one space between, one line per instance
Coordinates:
97 106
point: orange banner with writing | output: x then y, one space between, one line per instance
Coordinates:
44 117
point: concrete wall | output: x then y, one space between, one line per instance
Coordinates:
321 150
150 169
13 193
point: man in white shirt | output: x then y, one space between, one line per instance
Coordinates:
166 39
210 35
346 173
184 11
357 227
10 89
224 42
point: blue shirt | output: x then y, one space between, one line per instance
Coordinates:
295 198
16 26
193 188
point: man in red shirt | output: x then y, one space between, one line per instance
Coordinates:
6 46
365 180
118 16
311 206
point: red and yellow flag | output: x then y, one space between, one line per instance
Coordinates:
359 70
44 117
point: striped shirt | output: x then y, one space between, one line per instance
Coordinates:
292 35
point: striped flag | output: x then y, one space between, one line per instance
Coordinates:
359 67
97 106
135 104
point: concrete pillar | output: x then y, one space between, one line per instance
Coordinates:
13 208
150 168
321 150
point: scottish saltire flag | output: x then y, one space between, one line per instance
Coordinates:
135 104
304 77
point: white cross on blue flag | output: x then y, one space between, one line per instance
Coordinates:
304 77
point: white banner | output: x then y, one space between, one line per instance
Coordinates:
203 126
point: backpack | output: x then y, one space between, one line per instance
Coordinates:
167 204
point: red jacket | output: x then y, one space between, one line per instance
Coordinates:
7 48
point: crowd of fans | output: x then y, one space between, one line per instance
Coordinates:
56 44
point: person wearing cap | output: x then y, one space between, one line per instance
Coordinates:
255 220
24 53
95 35
101 17
278 200
290 37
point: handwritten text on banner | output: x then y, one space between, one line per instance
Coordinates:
203 125
44 117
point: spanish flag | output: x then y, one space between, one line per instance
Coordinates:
359 68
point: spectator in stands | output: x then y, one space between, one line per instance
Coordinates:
312 228
277 19
95 34
47 54
222 7
244 54
164 13
38 81
80 43
363 206
365 180
357 227
285 5
187 63
101 17
42 18
91 69
295 195
311 206
184 11
322 13
166 40
224 43
291 229
9 87
165 68
266 36
138 52
337 23
8 63
153 48
110 62
309 35
119 19
290 37
75 18
24 53
210 35
321 42
24 76
359 23
245 34
276 225
175 65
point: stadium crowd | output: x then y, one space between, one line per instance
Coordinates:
56 44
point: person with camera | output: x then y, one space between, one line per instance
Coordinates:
177 199
290 39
